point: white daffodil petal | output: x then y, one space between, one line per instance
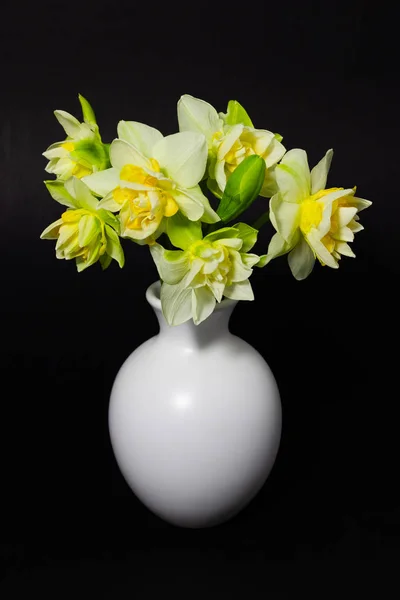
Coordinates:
250 260
199 116
360 203
137 186
232 133
183 156
344 234
203 304
56 151
319 173
122 153
188 205
285 216
239 271
260 140
220 175
193 271
239 291
320 250
195 193
51 231
172 265
336 195
69 123
235 243
277 247
269 186
293 176
355 226
143 137
83 195
217 288
345 214
109 203
325 224
102 182
274 153
176 303
301 260
344 249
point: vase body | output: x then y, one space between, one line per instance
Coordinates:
195 420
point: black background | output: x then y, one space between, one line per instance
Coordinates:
321 74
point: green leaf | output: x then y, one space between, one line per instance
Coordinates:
60 194
94 153
87 111
183 232
242 188
278 137
247 234
237 114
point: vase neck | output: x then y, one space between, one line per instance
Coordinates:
214 327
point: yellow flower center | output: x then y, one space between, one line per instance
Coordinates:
311 215
328 242
80 170
122 195
217 263
239 151
69 146
144 208
312 210
135 174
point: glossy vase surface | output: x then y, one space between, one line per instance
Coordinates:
195 420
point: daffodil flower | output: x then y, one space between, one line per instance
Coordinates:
204 271
83 232
311 221
82 152
152 178
231 138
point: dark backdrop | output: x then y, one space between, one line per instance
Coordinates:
323 75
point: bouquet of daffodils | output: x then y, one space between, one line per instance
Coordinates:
156 191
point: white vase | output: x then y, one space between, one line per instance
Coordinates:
195 420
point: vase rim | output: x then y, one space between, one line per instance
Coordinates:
153 298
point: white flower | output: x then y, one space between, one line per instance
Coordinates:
207 269
311 221
152 178
231 138
82 152
83 232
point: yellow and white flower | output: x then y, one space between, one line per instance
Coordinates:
231 138
152 178
311 221
83 232
206 269
82 152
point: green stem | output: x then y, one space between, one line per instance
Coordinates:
261 220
